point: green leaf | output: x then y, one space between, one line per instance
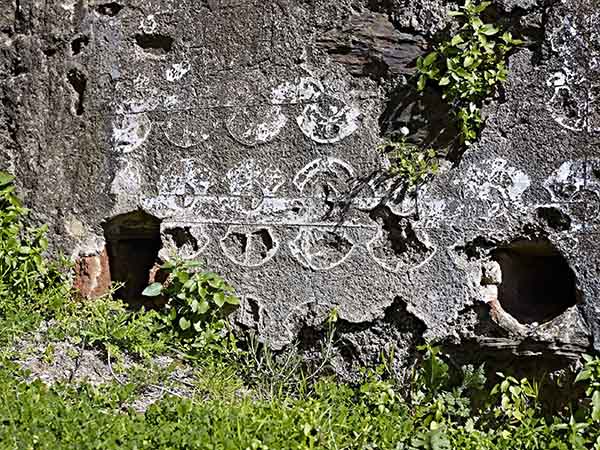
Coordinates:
219 299
5 178
183 276
585 374
481 7
596 406
476 23
194 305
192 265
430 59
421 83
588 358
214 280
153 290
184 324
232 300
456 40
203 307
444 81
468 61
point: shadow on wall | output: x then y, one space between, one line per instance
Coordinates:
426 115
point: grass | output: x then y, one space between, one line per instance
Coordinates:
159 392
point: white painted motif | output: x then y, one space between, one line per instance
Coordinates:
566 109
331 172
252 183
410 250
497 185
254 207
566 181
148 24
182 241
254 125
303 90
128 178
329 120
177 71
182 183
320 248
575 186
250 246
574 104
137 96
130 131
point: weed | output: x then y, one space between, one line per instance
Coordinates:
197 303
25 276
408 161
469 67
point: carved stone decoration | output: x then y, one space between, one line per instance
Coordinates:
249 246
182 241
130 131
321 249
329 120
250 184
254 125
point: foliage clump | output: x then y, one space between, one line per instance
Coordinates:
469 67
25 274
408 161
197 303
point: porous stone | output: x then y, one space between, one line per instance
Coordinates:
244 133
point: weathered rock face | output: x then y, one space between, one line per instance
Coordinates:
244 133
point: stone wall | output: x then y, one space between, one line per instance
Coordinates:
244 133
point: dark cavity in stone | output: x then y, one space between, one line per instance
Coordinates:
182 236
78 82
264 242
157 44
78 44
133 242
109 9
537 282
554 218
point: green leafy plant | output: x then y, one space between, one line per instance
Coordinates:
408 161
24 272
469 66
197 302
108 323
518 398
590 374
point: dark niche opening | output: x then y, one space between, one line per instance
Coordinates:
133 242
109 9
78 44
157 44
78 82
537 282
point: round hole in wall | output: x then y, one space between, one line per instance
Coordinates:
537 282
